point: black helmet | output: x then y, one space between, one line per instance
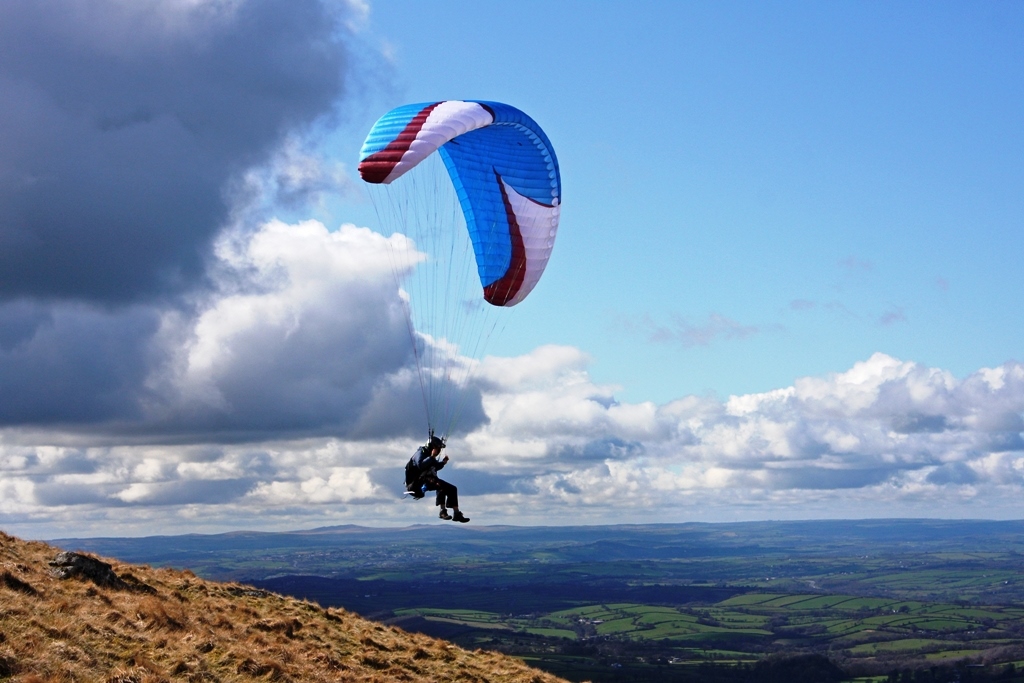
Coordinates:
435 442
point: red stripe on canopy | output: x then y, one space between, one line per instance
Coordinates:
503 290
379 165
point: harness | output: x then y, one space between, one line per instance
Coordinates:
413 486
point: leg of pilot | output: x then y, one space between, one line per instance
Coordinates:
447 494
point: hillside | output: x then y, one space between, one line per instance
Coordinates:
145 625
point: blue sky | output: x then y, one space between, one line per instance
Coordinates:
785 283
835 179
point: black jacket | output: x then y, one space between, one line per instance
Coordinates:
420 469
425 462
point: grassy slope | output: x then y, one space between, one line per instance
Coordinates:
195 630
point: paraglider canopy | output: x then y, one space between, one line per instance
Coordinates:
505 174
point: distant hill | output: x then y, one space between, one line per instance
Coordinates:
121 623
351 550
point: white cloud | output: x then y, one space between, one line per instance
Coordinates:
891 432
335 485
304 333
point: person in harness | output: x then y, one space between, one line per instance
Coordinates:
421 476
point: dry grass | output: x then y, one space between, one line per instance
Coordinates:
182 628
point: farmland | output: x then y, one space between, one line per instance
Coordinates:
865 634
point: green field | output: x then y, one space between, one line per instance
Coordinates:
856 630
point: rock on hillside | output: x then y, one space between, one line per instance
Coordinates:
137 624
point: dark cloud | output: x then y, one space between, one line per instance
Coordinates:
822 478
390 479
73 363
914 424
953 473
75 462
395 407
49 493
121 125
21 321
567 487
1007 441
603 401
181 492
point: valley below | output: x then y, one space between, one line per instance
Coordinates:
876 600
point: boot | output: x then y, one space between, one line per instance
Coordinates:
459 517
444 514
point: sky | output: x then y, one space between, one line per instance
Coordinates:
785 284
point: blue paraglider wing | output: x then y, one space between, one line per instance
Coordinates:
505 174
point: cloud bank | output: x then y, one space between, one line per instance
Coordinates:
884 438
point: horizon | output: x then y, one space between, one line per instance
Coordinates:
432 525
782 288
